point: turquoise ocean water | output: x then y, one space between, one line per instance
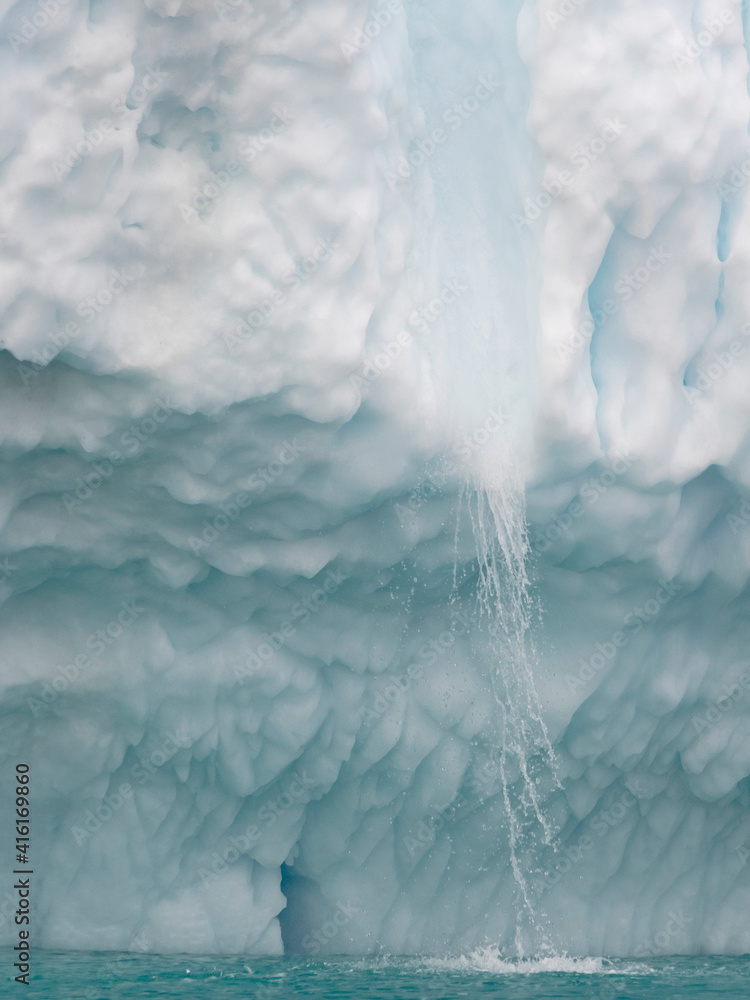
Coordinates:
101 976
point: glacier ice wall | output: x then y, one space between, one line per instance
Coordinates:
374 401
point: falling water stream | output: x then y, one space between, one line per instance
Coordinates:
525 755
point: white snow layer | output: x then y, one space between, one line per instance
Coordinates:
299 301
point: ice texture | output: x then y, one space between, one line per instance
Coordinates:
374 533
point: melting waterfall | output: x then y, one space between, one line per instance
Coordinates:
525 754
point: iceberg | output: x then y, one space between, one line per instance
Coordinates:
374 536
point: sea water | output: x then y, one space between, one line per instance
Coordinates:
484 973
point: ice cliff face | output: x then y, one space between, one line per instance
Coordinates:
375 403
